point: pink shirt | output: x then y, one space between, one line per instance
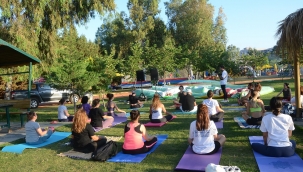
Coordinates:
133 139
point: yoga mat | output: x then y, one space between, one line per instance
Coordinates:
85 156
219 124
242 123
184 113
128 158
117 120
276 164
149 124
195 162
234 109
55 137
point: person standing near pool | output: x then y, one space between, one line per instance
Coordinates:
223 82
203 134
276 128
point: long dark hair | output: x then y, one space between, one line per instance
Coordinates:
275 105
95 102
134 114
202 118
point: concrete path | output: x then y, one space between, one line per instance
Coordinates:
17 133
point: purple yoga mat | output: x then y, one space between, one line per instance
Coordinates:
276 164
195 162
117 120
149 124
219 124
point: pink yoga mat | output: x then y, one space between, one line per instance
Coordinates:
195 162
149 124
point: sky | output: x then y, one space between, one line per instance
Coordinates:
250 23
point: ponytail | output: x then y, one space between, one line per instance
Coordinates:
202 121
275 105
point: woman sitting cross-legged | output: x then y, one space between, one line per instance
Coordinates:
34 134
133 133
156 109
203 134
214 110
255 108
111 107
276 128
83 135
98 119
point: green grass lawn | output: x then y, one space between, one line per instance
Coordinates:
236 151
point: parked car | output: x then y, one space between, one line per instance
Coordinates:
42 93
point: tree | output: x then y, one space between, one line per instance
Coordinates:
254 58
162 58
33 25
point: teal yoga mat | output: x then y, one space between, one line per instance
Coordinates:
56 136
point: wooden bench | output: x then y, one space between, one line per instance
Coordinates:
23 106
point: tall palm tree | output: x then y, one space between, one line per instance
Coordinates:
290 45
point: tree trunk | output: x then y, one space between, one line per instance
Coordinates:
297 84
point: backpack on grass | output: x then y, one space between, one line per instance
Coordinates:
105 152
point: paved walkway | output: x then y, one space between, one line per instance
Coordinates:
17 133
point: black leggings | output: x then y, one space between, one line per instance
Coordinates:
223 87
91 147
254 121
164 119
148 145
217 117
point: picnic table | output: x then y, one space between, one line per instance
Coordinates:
6 107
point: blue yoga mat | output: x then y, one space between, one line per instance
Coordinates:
128 158
242 123
276 164
56 136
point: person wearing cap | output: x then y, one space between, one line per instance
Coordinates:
188 102
63 115
134 101
286 92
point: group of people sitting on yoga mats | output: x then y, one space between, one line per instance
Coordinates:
203 134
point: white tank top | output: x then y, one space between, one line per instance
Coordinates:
157 113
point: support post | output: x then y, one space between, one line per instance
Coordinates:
29 80
297 84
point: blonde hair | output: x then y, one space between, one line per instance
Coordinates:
156 101
79 121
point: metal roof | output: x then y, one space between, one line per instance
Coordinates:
11 56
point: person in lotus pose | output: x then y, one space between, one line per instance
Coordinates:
203 134
255 108
277 129
133 134
156 109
